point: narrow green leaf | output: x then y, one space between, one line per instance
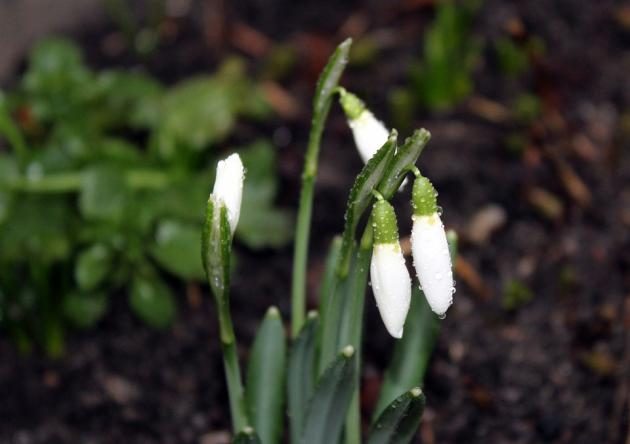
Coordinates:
301 375
92 266
152 301
265 379
247 436
329 78
400 420
328 406
361 196
405 158
413 351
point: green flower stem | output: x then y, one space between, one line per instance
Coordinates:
71 182
364 255
232 369
216 253
326 88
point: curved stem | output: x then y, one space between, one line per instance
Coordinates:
326 88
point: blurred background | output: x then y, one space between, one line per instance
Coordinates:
112 117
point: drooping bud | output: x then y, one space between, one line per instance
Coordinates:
391 283
429 247
228 187
369 133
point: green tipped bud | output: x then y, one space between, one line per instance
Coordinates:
351 104
384 223
423 197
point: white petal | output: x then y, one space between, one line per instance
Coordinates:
369 134
228 187
432 261
391 286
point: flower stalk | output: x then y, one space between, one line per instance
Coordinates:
321 105
222 214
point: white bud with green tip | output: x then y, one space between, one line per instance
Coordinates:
391 283
429 247
228 187
369 133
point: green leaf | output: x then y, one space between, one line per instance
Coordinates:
399 422
84 310
92 266
265 227
405 158
261 225
246 436
361 196
8 172
5 204
176 249
327 408
104 194
128 98
301 375
203 110
265 379
151 300
57 82
37 228
181 200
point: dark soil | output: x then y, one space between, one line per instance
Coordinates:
553 369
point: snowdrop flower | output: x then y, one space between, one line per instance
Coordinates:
391 283
228 187
430 249
369 133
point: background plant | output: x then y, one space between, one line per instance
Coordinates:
443 77
85 149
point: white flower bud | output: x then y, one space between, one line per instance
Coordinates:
432 261
228 187
429 247
369 134
391 286
391 283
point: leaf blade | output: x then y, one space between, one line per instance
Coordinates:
328 406
265 378
301 375
400 420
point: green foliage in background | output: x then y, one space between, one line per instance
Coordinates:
444 76
102 178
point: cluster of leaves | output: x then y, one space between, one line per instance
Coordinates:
102 185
